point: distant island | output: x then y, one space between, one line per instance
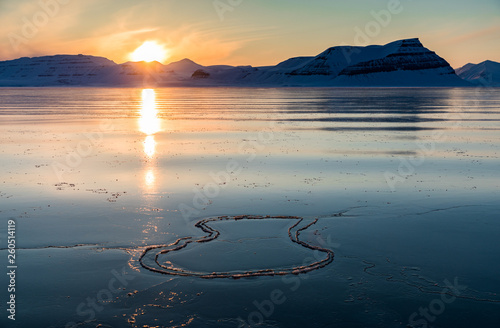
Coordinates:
403 63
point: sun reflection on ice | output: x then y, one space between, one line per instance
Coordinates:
149 177
149 124
149 146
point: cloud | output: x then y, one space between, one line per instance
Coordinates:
472 36
200 45
208 45
32 28
102 28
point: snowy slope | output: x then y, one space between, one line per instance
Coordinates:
486 73
55 70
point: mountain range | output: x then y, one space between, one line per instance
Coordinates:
402 63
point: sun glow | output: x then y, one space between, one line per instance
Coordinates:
149 51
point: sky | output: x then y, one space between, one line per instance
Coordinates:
246 32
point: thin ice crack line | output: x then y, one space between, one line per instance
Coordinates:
51 246
445 209
422 289
213 234
341 213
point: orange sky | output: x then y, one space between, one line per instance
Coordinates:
246 32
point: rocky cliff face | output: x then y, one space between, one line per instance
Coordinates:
408 55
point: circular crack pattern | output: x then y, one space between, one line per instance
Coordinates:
149 258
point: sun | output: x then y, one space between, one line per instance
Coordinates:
149 51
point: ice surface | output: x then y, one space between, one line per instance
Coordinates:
328 154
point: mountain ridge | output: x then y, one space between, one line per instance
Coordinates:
399 63
486 73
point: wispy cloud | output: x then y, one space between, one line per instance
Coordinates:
30 28
208 45
480 34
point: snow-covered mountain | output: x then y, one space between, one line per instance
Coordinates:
184 67
400 63
486 73
54 70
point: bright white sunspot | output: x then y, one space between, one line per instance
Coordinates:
149 51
